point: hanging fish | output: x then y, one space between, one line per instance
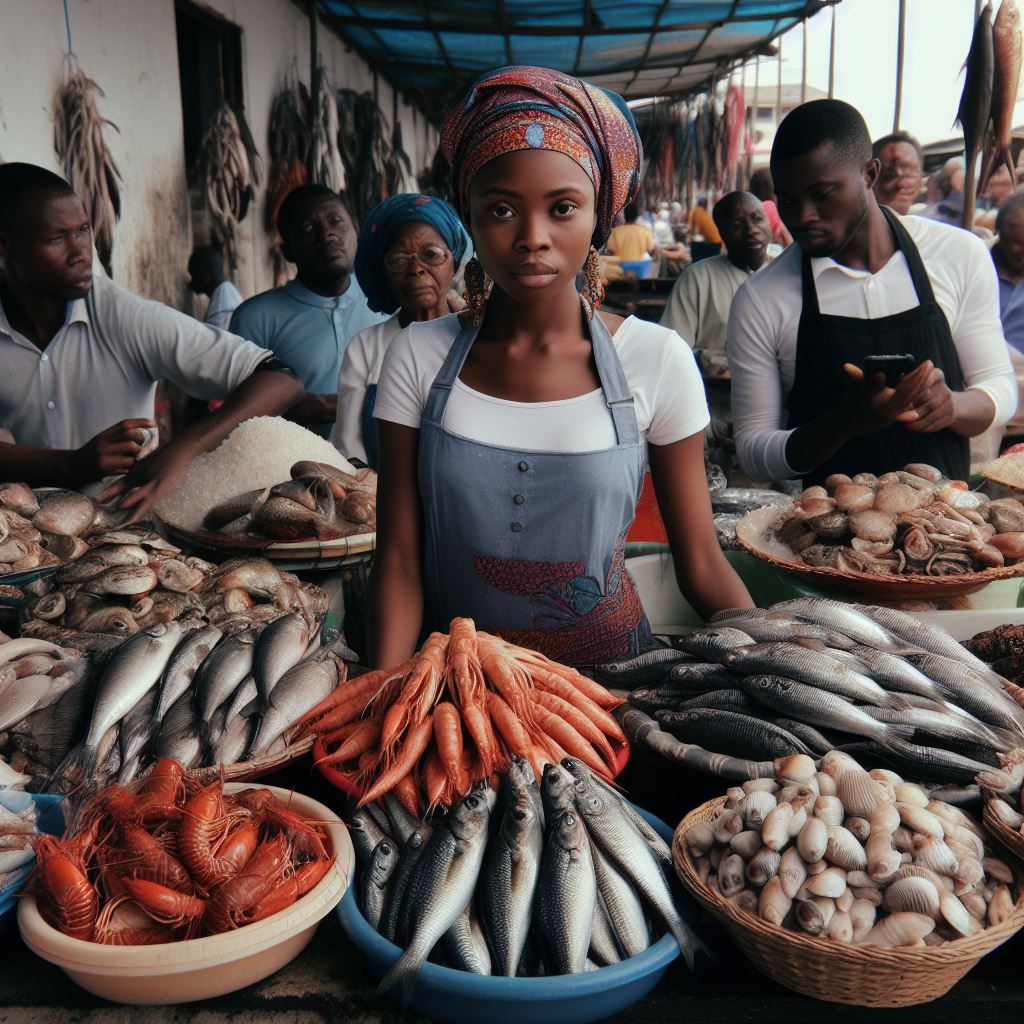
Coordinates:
976 103
1006 44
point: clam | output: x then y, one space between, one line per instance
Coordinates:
1006 814
728 824
700 838
850 497
757 806
774 903
840 927
797 768
792 872
1009 545
836 480
862 918
885 775
1000 907
866 894
763 865
831 883
836 761
813 915
883 860
844 850
831 526
895 498
865 478
826 784
997 869
812 840
956 916
914 894
872 524
746 844
858 792
860 828
908 793
902 929
935 854
845 901
921 820
775 828
924 471
941 882
903 839
746 900
969 874
816 867
797 821
731 875
829 809
760 786
975 905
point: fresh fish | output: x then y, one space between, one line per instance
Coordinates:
232 740
67 512
938 724
622 905
464 945
726 732
843 618
32 693
914 760
508 879
376 876
722 700
19 498
281 646
234 508
976 103
714 644
442 884
178 738
116 621
765 625
603 949
401 824
811 738
365 834
897 673
566 894
700 677
627 850
136 730
132 671
813 668
1006 45
396 904
182 667
556 789
245 693
124 580
222 670
647 667
300 689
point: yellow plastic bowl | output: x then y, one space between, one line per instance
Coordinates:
182 972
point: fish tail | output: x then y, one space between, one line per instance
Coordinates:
896 702
404 970
82 755
690 944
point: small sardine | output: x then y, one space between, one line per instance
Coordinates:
625 911
843 618
300 689
382 864
281 646
714 644
464 946
365 834
726 732
222 670
182 667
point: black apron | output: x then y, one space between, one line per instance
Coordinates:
825 342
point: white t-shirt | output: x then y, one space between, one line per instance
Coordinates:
659 367
359 369
765 315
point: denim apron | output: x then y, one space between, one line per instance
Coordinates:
531 545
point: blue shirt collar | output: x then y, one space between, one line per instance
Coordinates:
297 290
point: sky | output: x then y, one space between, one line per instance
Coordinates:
938 35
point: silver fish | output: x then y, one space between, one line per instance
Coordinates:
647 667
135 732
566 894
222 670
177 576
508 879
714 644
365 834
397 907
376 876
178 738
843 618
281 646
401 823
603 948
442 885
299 689
726 732
557 791
123 579
897 673
66 512
32 693
940 724
625 911
464 945
245 693
183 665
765 625
232 741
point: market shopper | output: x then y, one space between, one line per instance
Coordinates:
1008 257
633 243
861 281
698 305
762 186
309 322
701 223
82 356
901 171
514 440
206 277
410 247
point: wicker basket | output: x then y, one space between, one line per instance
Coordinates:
1002 833
834 971
248 771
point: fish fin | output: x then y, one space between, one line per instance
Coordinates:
79 754
988 166
405 970
690 944
897 703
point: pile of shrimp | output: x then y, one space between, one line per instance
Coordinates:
170 859
455 714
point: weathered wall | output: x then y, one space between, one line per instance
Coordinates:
129 47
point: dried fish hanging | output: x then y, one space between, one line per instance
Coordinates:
735 117
324 159
230 170
288 139
399 166
88 164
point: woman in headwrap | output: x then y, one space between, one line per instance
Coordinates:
514 439
409 249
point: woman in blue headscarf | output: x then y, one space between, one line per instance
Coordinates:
410 247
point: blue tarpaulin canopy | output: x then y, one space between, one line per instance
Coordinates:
638 48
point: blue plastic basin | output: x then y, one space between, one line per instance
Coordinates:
457 996
49 819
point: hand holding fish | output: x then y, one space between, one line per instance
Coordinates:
148 479
113 450
875 405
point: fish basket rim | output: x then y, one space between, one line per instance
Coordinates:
889 972
893 586
248 771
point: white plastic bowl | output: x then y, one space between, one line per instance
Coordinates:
181 972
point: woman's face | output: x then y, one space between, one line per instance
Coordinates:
532 217
420 286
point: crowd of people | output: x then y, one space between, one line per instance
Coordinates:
513 419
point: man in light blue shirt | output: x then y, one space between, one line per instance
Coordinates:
1008 256
309 322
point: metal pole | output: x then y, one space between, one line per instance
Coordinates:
803 69
900 40
778 88
832 58
314 67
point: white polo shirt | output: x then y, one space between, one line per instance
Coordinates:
765 315
103 365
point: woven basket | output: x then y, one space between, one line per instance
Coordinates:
1002 833
834 971
248 771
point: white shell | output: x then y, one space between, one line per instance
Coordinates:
835 761
775 828
956 915
840 927
813 915
760 786
727 825
970 839
860 827
812 840
757 807
829 809
975 905
862 918
858 791
746 900
830 883
826 784
797 821
914 894
816 867
795 768
883 860
935 854
845 901
844 850
792 872
920 820
997 869
968 875
884 775
866 895
884 818
902 929
1006 814
731 875
700 838
908 793
859 879
763 865
746 844
774 904
941 882
903 839
1000 907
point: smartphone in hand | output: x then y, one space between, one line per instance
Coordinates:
895 367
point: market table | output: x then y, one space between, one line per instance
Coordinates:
330 980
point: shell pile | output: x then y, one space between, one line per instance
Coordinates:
319 501
1006 800
854 856
910 522
133 578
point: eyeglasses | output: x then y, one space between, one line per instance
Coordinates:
428 255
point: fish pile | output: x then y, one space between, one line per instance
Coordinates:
912 523
853 856
17 832
132 579
560 879
1002 649
319 501
170 859
810 675
45 529
454 714
33 675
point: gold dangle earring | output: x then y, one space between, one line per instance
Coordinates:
476 291
593 290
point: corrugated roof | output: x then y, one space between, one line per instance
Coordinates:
429 48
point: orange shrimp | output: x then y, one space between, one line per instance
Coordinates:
166 906
594 690
145 858
506 676
509 725
420 689
579 721
434 777
65 898
363 738
123 923
312 874
561 687
205 823
566 736
464 661
404 760
448 737
361 688
408 793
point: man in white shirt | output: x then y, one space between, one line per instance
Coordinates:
80 353
861 281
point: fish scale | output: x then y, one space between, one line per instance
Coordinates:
376 876
726 732
281 647
625 911
225 667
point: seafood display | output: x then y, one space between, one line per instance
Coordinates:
197 694
454 714
810 675
319 501
556 879
907 523
852 856
169 859
17 833
132 579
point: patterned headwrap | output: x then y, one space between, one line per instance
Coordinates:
517 108
379 229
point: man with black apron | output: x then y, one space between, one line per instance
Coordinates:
861 282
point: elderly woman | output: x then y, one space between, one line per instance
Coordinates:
514 439
410 247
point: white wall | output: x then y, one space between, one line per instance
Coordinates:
129 47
